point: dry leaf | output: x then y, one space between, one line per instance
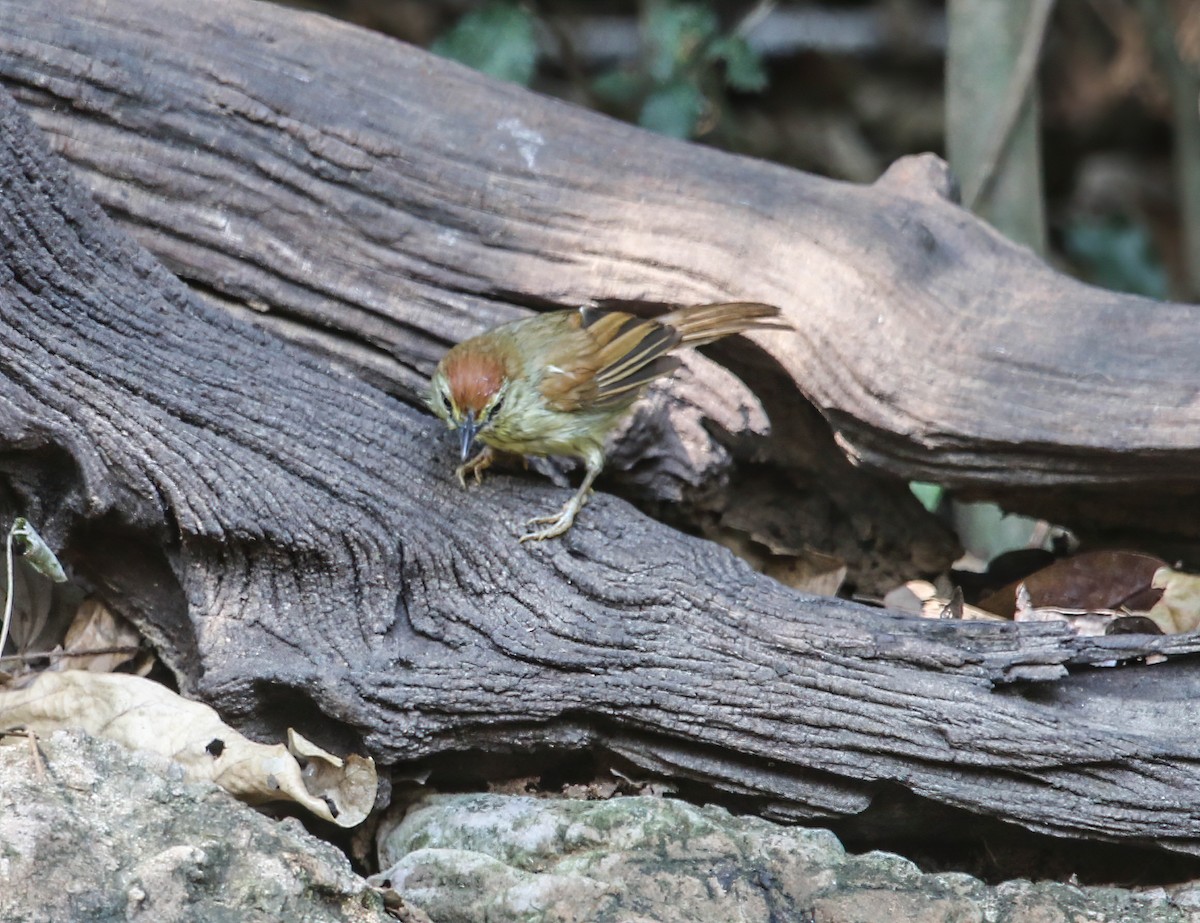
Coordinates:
1094 580
955 607
910 597
1084 622
338 782
806 570
919 597
1179 608
810 572
144 715
42 611
96 628
776 541
34 621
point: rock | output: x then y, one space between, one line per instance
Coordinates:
92 831
499 858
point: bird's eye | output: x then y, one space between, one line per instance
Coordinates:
444 401
495 408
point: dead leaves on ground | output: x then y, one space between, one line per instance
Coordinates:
78 687
101 642
1094 580
1178 609
1095 593
147 716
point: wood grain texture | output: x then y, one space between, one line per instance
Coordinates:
377 204
285 533
388 203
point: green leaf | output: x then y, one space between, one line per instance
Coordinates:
930 495
676 33
1117 254
497 39
619 86
744 69
31 546
673 110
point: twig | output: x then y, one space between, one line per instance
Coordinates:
753 19
39 556
8 593
39 765
38 655
35 755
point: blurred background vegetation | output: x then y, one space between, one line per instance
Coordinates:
844 88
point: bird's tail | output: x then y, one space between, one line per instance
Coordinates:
705 323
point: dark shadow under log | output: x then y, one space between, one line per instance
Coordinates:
288 535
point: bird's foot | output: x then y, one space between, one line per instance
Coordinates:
476 466
557 523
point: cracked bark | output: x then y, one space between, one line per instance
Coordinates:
287 532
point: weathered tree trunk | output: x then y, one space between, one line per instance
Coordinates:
288 535
379 203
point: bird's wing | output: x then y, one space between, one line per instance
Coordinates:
607 358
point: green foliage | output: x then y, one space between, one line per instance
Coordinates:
679 84
674 34
497 39
24 540
621 87
744 69
673 110
677 87
1116 254
930 495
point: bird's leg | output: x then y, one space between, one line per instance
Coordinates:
560 522
476 466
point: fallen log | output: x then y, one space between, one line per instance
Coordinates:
287 534
378 204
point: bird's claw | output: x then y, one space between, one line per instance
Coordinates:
475 466
556 523
555 526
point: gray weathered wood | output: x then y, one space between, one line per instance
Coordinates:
289 537
388 203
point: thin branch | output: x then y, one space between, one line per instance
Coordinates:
89 652
8 592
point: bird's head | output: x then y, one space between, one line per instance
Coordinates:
467 392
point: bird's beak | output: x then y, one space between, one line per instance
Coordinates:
466 431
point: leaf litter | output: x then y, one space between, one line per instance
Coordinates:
144 715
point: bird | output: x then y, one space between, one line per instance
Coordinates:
558 383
